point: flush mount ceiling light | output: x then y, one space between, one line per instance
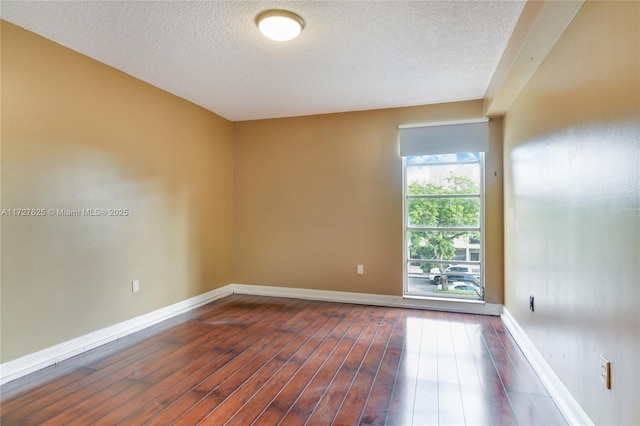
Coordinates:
279 25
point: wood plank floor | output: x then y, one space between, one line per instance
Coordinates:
246 360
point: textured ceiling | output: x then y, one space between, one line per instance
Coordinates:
352 55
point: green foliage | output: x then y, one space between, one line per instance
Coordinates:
441 212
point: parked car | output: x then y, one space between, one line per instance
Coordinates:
465 287
467 273
464 279
479 290
433 273
468 287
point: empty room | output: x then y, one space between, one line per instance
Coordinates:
320 212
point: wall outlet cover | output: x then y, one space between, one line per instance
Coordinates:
605 372
531 304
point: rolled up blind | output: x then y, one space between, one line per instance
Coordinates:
444 138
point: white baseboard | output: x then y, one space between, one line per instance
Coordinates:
567 404
371 299
22 366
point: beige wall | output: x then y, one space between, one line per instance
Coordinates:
77 134
316 195
572 208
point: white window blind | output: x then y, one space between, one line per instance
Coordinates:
444 138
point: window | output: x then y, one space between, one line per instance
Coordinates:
443 174
443 217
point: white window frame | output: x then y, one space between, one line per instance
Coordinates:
405 228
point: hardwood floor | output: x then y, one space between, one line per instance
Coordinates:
254 360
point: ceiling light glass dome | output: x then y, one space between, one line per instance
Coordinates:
279 25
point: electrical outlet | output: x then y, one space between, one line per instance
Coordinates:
135 286
605 372
531 304
360 269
